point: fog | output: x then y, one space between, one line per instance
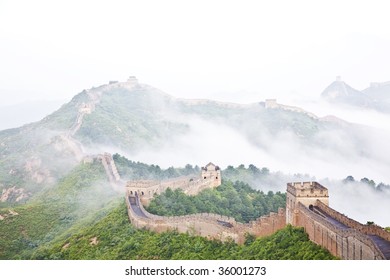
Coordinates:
352 114
362 151
15 115
334 154
359 201
359 147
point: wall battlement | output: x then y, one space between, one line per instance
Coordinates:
306 206
365 229
209 225
210 177
305 189
341 241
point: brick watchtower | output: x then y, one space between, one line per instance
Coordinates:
306 193
212 172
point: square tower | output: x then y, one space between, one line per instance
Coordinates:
306 193
212 172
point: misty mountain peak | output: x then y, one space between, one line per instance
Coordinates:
379 92
340 91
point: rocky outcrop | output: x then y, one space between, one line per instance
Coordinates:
14 194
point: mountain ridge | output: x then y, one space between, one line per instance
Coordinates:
134 117
376 96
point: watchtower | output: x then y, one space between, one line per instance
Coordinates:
212 172
306 193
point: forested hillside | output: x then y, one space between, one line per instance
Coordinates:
237 200
114 237
81 217
80 198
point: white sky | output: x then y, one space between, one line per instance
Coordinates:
239 51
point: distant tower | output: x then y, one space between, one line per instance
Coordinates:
212 172
271 103
132 80
306 193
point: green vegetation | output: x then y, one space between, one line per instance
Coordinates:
257 118
113 237
64 117
82 218
38 142
261 178
236 200
132 170
369 182
129 120
388 229
79 198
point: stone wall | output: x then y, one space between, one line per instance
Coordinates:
306 206
365 229
110 167
191 185
345 243
307 193
208 225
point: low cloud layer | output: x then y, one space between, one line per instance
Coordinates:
360 202
338 154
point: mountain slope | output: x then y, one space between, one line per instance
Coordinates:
380 95
376 97
79 198
115 238
137 118
339 91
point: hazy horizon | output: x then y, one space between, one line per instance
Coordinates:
225 50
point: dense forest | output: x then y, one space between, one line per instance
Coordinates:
237 200
81 217
132 170
113 237
78 199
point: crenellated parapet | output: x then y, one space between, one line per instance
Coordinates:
307 206
365 229
307 193
341 240
209 225
306 189
210 177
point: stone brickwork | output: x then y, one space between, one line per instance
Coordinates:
307 207
306 193
191 185
209 225
345 243
366 229
110 167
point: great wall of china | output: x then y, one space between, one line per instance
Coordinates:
306 206
204 224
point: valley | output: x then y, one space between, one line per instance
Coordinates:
62 179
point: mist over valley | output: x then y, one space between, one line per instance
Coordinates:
148 125
53 166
